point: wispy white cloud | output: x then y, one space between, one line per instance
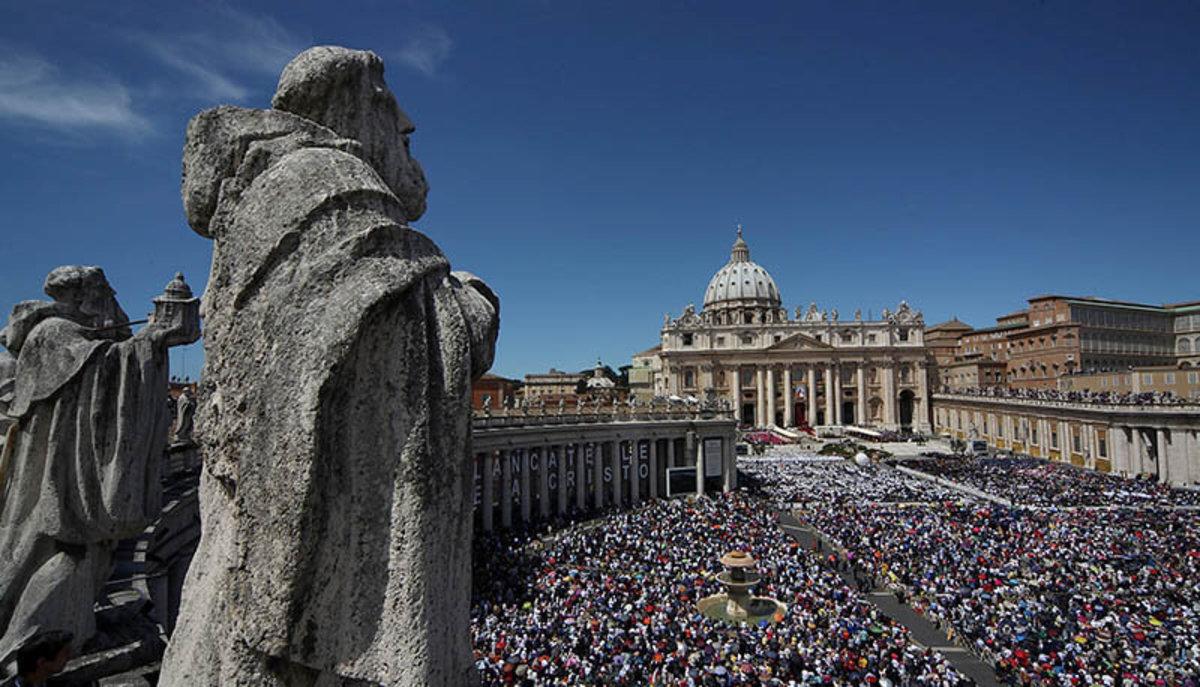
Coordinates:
36 91
215 58
425 49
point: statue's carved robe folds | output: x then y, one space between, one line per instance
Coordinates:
83 472
337 492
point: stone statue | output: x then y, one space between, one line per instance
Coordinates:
335 401
813 314
487 405
81 463
562 405
508 403
858 315
185 409
833 315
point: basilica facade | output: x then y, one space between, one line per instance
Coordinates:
812 368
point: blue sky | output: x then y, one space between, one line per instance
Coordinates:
589 160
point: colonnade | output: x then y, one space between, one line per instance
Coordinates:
543 478
1162 441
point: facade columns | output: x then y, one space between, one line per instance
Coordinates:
811 396
729 469
1116 449
829 417
735 390
526 503
770 397
654 468
789 399
544 482
1160 456
1089 446
598 475
1068 443
506 489
922 408
615 446
580 478
861 412
1135 451
562 479
890 420
691 452
760 405
635 478
837 396
700 460
671 453
488 499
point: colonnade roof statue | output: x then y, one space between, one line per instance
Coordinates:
334 405
84 415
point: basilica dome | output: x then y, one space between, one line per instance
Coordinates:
741 282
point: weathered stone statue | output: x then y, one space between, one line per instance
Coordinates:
335 401
185 410
79 471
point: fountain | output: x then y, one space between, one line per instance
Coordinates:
735 604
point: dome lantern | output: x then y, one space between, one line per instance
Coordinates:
741 283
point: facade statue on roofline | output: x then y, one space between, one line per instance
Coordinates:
85 430
334 414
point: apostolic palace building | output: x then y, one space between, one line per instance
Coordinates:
811 368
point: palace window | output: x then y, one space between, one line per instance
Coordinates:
1103 447
720 342
1054 438
1075 443
903 333
687 339
689 379
747 339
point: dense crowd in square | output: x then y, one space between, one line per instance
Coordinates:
1047 596
613 602
1038 482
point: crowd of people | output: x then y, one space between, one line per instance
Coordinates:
1097 397
612 601
1047 596
1038 482
838 483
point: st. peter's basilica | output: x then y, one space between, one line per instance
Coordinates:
813 368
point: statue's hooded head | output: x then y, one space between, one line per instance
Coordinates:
344 90
86 293
81 294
